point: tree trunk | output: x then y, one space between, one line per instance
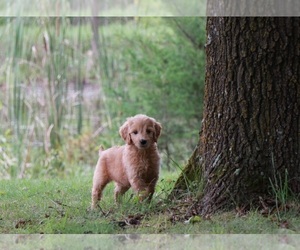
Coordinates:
250 138
253 8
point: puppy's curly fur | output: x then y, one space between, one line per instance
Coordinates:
135 164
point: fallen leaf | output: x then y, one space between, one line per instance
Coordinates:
284 224
193 220
22 223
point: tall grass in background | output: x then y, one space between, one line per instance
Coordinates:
15 98
67 84
42 66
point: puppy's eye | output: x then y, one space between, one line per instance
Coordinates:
148 131
135 132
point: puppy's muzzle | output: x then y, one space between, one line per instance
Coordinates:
143 143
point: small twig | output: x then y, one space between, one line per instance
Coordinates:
59 203
62 204
102 211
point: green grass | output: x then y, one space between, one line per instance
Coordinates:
61 206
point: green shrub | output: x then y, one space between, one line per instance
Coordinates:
160 72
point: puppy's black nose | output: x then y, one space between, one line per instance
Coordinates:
143 142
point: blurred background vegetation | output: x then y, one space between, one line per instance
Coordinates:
68 83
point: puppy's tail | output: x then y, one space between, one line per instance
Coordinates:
101 148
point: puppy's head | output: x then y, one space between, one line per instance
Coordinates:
141 131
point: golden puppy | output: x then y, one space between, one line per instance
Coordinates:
135 164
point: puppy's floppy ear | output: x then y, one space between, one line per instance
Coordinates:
157 127
124 133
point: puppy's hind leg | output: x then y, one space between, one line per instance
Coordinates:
97 193
100 180
119 191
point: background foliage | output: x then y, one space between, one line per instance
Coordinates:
67 84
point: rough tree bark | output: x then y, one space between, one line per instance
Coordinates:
253 8
250 134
